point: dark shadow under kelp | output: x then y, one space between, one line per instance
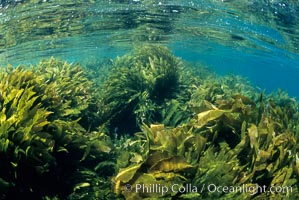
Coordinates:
193 129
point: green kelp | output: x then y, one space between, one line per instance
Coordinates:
43 152
145 87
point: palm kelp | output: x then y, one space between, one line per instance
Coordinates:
185 133
219 147
69 91
237 137
44 151
142 86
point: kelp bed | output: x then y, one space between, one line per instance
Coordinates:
146 118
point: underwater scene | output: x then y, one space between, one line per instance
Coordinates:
149 99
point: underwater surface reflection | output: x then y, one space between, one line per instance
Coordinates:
229 36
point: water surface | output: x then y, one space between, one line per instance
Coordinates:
255 38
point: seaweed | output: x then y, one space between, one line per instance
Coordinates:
44 151
167 160
139 86
180 127
237 137
69 92
204 151
25 147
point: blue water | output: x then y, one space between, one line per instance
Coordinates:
267 72
255 39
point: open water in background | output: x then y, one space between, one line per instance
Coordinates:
257 39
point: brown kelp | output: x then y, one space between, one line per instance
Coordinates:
196 135
44 151
69 91
143 87
222 146
240 140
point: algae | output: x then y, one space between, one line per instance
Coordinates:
66 133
